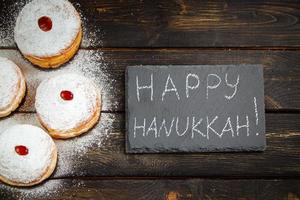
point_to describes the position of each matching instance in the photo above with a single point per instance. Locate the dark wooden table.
(122, 33)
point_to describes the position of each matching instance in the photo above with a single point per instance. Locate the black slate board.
(195, 108)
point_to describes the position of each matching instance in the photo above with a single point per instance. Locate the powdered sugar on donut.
(25, 169)
(62, 115)
(33, 41)
(9, 79)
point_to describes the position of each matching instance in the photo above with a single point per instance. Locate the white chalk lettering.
(256, 112)
(191, 126)
(138, 88)
(225, 129)
(152, 127)
(191, 87)
(194, 127)
(208, 126)
(235, 86)
(208, 86)
(238, 126)
(163, 125)
(255, 109)
(138, 127)
(173, 89)
(186, 128)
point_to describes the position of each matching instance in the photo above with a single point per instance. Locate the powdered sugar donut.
(28, 155)
(48, 32)
(67, 105)
(12, 86)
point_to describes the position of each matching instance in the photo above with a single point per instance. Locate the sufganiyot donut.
(28, 155)
(48, 32)
(12, 86)
(68, 105)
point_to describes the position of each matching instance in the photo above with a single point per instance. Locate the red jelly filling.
(45, 23)
(66, 95)
(21, 150)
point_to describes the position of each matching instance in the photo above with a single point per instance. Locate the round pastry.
(67, 105)
(12, 86)
(28, 155)
(48, 32)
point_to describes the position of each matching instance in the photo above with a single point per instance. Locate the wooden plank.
(89, 63)
(158, 189)
(107, 66)
(101, 152)
(177, 23)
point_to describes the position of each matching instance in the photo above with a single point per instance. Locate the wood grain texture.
(107, 66)
(101, 152)
(177, 23)
(156, 189)
(252, 31)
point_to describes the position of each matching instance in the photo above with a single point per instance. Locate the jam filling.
(66, 95)
(21, 150)
(45, 23)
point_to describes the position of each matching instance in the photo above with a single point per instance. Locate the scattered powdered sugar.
(48, 189)
(93, 65)
(9, 79)
(8, 15)
(92, 32)
(72, 152)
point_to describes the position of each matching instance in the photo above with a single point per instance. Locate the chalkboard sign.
(201, 108)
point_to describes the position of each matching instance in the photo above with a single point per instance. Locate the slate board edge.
(264, 106)
(187, 66)
(127, 149)
(201, 150)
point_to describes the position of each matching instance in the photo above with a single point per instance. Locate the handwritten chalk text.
(170, 90)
